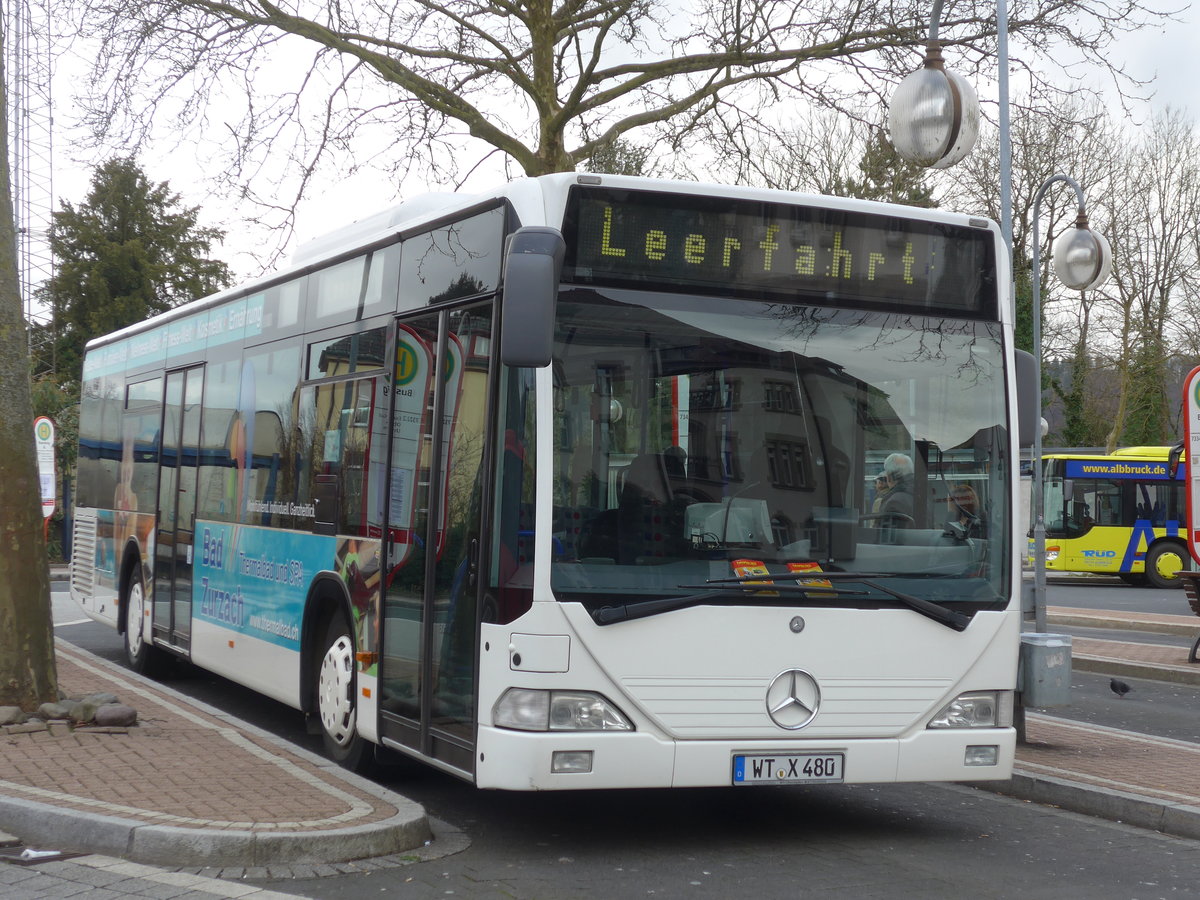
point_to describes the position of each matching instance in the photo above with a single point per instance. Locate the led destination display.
(691, 243)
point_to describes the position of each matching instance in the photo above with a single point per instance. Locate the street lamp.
(934, 119)
(934, 116)
(1082, 261)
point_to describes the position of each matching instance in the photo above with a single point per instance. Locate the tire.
(140, 654)
(335, 688)
(1163, 563)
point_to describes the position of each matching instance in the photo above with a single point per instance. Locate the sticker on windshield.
(744, 568)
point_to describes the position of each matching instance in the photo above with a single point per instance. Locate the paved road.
(1111, 593)
(1154, 707)
(854, 841)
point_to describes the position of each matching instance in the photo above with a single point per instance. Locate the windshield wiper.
(607, 615)
(948, 617)
(763, 585)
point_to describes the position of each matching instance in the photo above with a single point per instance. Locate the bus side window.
(338, 423)
(1080, 508)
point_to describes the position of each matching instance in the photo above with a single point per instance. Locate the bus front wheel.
(141, 656)
(1164, 562)
(336, 698)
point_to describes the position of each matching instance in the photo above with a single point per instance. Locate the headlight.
(526, 709)
(976, 709)
(1051, 554)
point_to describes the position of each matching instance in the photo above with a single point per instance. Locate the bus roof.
(1127, 453)
(535, 201)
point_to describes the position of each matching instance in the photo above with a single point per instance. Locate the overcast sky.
(1170, 56)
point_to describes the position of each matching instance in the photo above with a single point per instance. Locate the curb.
(1179, 629)
(1108, 666)
(175, 846)
(1175, 819)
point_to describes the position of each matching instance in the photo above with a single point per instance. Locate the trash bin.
(1044, 670)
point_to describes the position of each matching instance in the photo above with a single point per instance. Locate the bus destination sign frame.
(837, 257)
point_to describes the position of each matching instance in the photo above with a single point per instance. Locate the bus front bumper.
(527, 761)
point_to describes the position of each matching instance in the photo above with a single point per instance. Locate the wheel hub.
(133, 620)
(335, 686)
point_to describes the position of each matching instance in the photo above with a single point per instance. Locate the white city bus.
(572, 485)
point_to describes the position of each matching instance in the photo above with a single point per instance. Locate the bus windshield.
(700, 442)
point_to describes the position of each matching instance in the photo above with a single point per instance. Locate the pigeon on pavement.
(1120, 688)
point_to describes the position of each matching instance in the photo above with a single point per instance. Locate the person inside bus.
(881, 491)
(962, 504)
(897, 504)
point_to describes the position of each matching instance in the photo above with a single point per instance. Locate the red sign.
(1191, 447)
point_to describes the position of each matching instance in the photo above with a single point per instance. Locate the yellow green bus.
(1119, 514)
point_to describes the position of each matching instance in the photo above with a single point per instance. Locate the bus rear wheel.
(336, 698)
(1164, 562)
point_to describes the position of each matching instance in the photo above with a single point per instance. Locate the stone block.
(115, 714)
(54, 711)
(83, 711)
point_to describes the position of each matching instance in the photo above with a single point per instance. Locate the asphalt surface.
(195, 792)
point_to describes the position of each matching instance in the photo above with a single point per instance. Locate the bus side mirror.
(533, 263)
(1028, 394)
(1173, 460)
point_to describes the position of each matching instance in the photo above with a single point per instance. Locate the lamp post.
(1082, 260)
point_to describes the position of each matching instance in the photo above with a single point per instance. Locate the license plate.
(787, 768)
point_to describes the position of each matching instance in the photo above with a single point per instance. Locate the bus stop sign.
(1191, 446)
(43, 436)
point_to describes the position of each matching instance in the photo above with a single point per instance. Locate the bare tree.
(1154, 203)
(815, 154)
(1142, 188)
(27, 672)
(288, 88)
(1051, 133)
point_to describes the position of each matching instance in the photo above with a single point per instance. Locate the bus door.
(174, 538)
(435, 507)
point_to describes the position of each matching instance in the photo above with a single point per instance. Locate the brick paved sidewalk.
(1160, 662)
(189, 786)
(1113, 759)
(1157, 623)
(1140, 779)
(1131, 658)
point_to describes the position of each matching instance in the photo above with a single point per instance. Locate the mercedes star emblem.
(793, 699)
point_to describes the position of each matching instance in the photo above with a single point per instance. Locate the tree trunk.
(27, 672)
